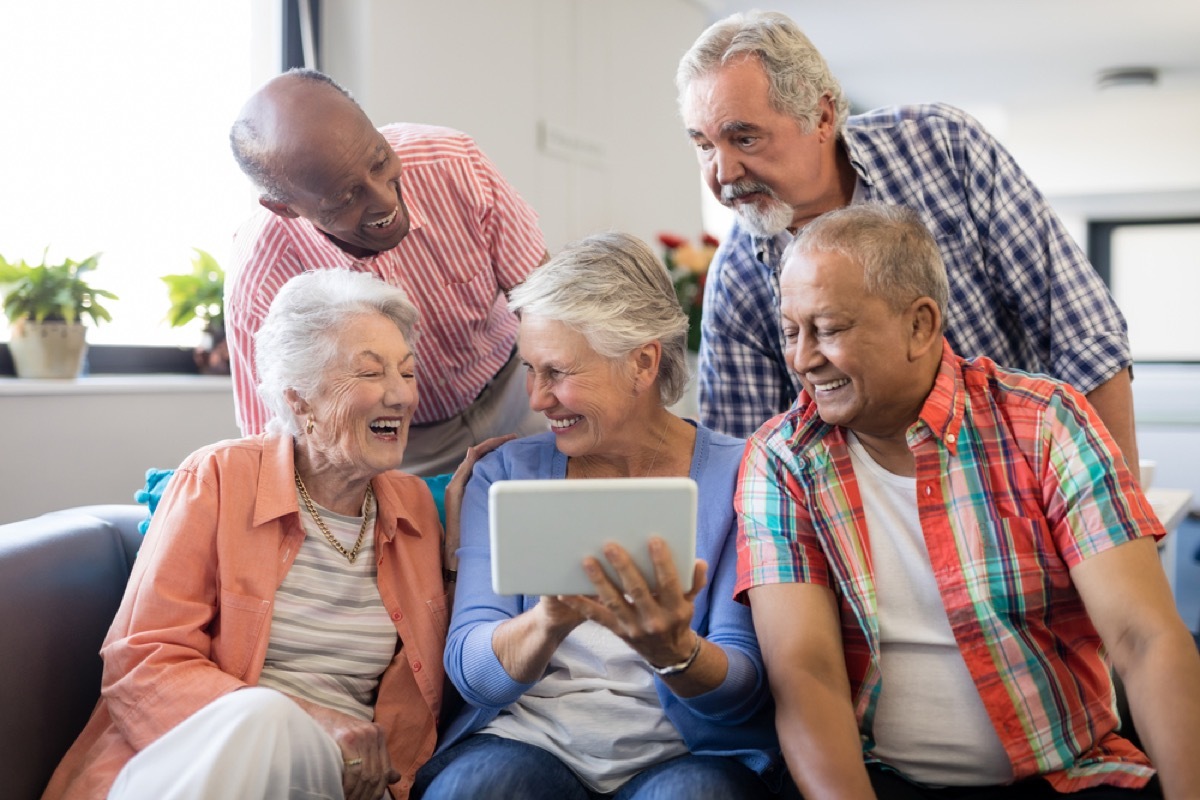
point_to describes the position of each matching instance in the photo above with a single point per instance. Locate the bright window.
(114, 122)
(1156, 280)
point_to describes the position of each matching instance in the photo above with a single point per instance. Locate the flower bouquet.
(688, 265)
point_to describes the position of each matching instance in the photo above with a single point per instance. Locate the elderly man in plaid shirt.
(775, 143)
(941, 553)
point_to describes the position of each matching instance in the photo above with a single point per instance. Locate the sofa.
(62, 576)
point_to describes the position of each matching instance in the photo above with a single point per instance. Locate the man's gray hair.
(296, 344)
(616, 292)
(899, 256)
(253, 152)
(797, 74)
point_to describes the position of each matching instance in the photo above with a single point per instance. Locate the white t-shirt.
(596, 709)
(930, 723)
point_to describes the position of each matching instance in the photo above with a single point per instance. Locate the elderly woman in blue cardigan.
(628, 693)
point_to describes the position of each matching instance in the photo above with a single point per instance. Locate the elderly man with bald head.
(420, 207)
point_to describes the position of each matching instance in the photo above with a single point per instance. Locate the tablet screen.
(541, 530)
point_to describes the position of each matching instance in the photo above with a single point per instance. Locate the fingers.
(366, 765)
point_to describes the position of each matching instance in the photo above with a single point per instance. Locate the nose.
(381, 193)
(804, 355)
(727, 166)
(540, 398)
(401, 392)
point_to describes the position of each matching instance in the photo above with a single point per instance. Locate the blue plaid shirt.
(1021, 291)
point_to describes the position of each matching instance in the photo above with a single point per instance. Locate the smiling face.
(338, 171)
(587, 397)
(866, 365)
(757, 160)
(365, 401)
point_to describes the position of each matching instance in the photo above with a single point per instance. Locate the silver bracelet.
(675, 669)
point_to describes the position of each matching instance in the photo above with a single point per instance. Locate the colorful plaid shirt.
(1021, 290)
(1017, 481)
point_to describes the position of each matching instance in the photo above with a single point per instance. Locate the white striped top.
(471, 239)
(331, 637)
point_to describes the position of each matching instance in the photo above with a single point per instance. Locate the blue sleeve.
(471, 664)
(744, 380)
(719, 618)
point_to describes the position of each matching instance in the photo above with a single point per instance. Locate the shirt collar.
(941, 414)
(945, 406)
(277, 491)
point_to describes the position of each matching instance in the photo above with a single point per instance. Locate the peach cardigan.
(195, 620)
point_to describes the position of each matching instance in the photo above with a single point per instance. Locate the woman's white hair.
(296, 343)
(797, 74)
(616, 292)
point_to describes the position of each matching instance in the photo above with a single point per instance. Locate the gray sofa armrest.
(62, 576)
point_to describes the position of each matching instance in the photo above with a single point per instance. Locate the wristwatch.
(675, 669)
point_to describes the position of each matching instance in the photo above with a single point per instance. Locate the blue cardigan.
(736, 719)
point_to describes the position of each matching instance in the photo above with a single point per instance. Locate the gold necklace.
(662, 437)
(362, 532)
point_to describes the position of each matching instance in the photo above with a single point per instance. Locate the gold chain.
(362, 532)
(662, 437)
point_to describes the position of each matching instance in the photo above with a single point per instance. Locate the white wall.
(600, 72)
(70, 443)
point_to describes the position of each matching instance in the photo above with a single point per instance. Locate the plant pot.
(47, 349)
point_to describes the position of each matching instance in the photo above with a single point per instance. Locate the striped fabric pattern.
(1017, 481)
(331, 637)
(471, 239)
(1021, 290)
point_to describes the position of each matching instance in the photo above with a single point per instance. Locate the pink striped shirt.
(471, 239)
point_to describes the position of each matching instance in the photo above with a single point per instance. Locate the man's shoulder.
(920, 115)
(415, 142)
(1013, 389)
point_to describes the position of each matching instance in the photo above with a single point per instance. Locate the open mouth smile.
(386, 221)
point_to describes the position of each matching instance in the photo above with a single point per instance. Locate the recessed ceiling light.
(1127, 76)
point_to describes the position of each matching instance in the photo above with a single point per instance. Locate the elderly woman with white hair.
(630, 693)
(282, 632)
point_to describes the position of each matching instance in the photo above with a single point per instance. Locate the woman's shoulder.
(528, 457)
(719, 451)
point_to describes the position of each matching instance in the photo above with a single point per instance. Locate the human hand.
(367, 769)
(454, 496)
(657, 625)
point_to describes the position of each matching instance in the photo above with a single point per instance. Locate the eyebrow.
(738, 126)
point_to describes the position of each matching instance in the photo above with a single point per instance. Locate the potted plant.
(200, 294)
(46, 305)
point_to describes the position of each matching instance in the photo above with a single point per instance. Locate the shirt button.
(950, 438)
(928, 491)
(416, 666)
(398, 616)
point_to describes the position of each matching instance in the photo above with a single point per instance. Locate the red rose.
(670, 240)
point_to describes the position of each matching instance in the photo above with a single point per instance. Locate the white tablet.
(541, 530)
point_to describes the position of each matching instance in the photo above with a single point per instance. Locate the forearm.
(1167, 712)
(820, 740)
(524, 644)
(1113, 401)
(706, 673)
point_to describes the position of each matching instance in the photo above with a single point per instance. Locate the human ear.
(926, 322)
(646, 360)
(296, 403)
(276, 207)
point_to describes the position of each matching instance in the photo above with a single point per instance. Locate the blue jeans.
(486, 767)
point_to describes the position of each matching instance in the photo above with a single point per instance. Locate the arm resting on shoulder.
(1113, 401)
(800, 634)
(1130, 603)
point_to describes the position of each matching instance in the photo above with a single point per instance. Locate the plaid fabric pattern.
(1021, 290)
(1016, 483)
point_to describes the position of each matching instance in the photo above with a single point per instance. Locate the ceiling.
(1008, 54)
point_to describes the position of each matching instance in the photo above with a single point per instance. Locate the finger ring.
(352, 762)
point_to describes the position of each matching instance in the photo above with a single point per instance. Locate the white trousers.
(252, 743)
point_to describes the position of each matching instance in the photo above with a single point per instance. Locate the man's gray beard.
(767, 221)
